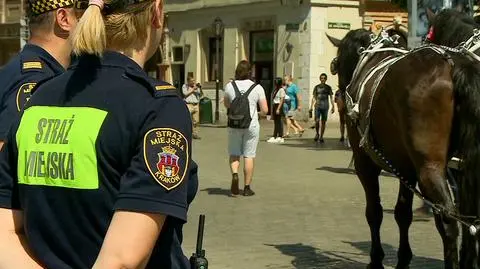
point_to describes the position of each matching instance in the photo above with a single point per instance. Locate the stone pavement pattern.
(308, 211)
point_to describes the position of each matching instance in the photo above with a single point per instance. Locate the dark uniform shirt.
(321, 93)
(32, 65)
(98, 138)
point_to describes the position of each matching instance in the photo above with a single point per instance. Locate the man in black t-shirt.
(322, 95)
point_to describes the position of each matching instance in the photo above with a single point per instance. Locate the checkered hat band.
(43, 6)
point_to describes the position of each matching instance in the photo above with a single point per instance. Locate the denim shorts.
(291, 113)
(321, 114)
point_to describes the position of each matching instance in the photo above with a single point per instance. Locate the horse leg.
(468, 258)
(403, 217)
(468, 251)
(433, 184)
(368, 172)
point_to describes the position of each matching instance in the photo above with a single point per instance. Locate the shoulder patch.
(32, 65)
(23, 94)
(165, 152)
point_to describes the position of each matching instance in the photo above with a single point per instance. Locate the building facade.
(279, 37)
(12, 34)
(381, 14)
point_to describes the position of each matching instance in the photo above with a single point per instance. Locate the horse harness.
(380, 69)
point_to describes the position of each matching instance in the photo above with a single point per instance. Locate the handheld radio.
(198, 260)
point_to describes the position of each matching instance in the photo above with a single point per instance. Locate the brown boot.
(234, 188)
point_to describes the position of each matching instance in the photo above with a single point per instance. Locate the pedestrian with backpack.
(242, 96)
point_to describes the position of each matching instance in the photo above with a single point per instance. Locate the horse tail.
(465, 135)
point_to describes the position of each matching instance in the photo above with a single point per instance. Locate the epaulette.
(156, 88)
(163, 88)
(31, 64)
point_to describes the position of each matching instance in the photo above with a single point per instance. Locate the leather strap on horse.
(473, 227)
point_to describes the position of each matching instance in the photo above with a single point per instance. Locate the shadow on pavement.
(391, 256)
(308, 143)
(212, 125)
(337, 170)
(345, 170)
(308, 257)
(416, 218)
(219, 191)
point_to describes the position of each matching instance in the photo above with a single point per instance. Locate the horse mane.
(451, 27)
(348, 56)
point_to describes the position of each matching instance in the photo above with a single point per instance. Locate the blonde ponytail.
(89, 35)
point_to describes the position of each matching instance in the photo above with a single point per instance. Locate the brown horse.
(450, 28)
(400, 120)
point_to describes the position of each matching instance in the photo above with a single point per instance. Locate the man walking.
(322, 95)
(191, 94)
(242, 96)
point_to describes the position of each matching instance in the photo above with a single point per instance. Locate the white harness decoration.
(377, 72)
(375, 47)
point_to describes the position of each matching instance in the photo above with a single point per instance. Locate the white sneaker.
(272, 140)
(280, 140)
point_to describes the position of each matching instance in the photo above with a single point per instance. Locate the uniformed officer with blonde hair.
(46, 55)
(98, 170)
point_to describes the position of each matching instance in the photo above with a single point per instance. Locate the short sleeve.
(260, 92)
(8, 173)
(281, 93)
(185, 89)
(229, 92)
(296, 89)
(159, 174)
(330, 91)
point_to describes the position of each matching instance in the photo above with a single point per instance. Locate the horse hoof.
(373, 266)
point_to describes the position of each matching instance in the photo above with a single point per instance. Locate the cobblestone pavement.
(308, 211)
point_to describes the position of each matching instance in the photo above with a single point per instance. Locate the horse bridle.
(334, 66)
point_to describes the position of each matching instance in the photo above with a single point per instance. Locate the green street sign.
(339, 25)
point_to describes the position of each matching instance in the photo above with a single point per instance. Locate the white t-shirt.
(280, 94)
(257, 94)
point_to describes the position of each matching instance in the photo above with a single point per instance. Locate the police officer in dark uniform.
(46, 55)
(100, 164)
